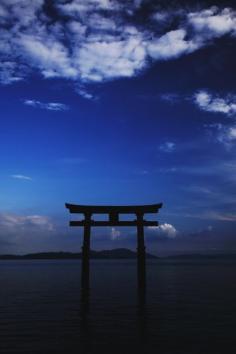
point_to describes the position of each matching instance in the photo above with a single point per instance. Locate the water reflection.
(88, 325)
(85, 291)
(44, 308)
(85, 288)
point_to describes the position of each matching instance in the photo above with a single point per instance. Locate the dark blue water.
(190, 308)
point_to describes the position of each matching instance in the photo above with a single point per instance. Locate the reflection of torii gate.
(113, 213)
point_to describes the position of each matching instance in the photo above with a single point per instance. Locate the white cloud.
(49, 56)
(78, 8)
(16, 223)
(104, 60)
(85, 94)
(168, 146)
(223, 133)
(50, 106)
(94, 40)
(9, 73)
(232, 133)
(165, 229)
(213, 23)
(171, 45)
(115, 234)
(226, 135)
(18, 176)
(213, 103)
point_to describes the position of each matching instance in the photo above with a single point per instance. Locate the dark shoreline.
(121, 253)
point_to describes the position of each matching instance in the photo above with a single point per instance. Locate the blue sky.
(118, 102)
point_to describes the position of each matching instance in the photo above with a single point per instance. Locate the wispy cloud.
(50, 106)
(199, 190)
(23, 177)
(220, 216)
(215, 104)
(99, 47)
(13, 222)
(225, 170)
(85, 94)
(206, 101)
(209, 196)
(168, 170)
(209, 215)
(168, 146)
(225, 134)
(171, 97)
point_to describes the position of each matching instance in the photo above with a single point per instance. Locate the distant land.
(119, 253)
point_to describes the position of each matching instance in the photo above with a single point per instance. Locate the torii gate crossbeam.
(113, 213)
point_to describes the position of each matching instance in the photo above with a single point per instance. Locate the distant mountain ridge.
(118, 253)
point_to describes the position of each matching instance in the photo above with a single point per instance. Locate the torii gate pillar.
(113, 213)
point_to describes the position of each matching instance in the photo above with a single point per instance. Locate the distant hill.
(119, 253)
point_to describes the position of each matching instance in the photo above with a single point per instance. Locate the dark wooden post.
(114, 212)
(86, 253)
(141, 257)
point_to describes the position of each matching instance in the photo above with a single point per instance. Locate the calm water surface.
(190, 308)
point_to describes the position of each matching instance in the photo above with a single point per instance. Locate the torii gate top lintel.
(113, 212)
(122, 209)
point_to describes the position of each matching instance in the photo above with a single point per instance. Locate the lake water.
(190, 308)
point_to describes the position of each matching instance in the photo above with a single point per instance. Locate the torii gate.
(114, 213)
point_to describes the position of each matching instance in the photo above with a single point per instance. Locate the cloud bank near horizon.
(99, 40)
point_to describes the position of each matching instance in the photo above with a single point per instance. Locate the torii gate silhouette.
(113, 212)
